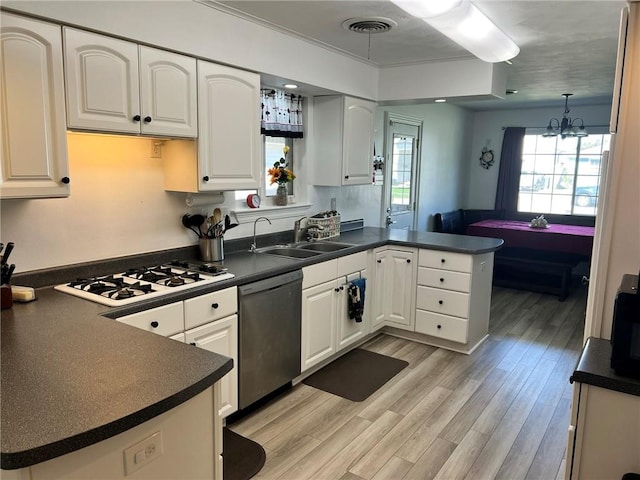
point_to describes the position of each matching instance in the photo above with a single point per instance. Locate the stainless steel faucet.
(253, 245)
(299, 231)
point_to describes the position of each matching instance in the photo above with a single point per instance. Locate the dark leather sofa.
(522, 268)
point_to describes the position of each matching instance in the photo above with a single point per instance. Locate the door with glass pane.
(401, 168)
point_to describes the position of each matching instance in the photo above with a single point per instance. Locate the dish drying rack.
(330, 223)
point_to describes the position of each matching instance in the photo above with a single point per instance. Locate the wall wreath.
(486, 158)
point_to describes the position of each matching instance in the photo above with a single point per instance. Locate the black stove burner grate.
(111, 287)
(128, 290)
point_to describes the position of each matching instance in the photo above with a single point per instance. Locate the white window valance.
(281, 114)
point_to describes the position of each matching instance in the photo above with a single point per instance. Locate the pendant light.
(567, 126)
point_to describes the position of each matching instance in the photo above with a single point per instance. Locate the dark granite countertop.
(594, 368)
(250, 267)
(71, 376)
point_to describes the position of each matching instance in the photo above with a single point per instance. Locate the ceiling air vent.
(369, 25)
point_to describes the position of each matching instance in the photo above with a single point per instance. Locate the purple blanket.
(557, 238)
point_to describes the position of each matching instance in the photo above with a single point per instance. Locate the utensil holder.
(212, 249)
(6, 297)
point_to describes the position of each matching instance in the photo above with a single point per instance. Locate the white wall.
(117, 207)
(487, 131)
(444, 156)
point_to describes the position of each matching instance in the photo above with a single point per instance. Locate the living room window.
(561, 176)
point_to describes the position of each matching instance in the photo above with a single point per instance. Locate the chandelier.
(567, 126)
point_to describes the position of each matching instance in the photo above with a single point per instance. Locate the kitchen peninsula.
(72, 378)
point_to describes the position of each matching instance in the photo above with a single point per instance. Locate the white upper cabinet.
(168, 93)
(116, 86)
(229, 153)
(33, 142)
(343, 129)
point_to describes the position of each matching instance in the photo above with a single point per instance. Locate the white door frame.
(389, 118)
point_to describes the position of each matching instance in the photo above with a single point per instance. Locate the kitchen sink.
(323, 246)
(304, 249)
(291, 252)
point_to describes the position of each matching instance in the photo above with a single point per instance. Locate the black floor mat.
(356, 375)
(242, 457)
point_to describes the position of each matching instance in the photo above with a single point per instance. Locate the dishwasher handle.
(270, 283)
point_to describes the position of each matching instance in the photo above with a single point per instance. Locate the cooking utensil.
(198, 220)
(227, 223)
(7, 252)
(217, 215)
(7, 272)
(187, 222)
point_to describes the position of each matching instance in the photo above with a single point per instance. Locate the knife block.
(6, 298)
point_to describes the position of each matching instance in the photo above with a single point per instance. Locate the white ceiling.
(565, 45)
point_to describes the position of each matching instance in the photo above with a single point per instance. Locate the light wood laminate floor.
(501, 412)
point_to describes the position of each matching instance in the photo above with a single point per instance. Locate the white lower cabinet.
(221, 337)
(209, 321)
(349, 331)
(191, 438)
(395, 278)
(166, 320)
(326, 326)
(604, 434)
(318, 323)
(453, 298)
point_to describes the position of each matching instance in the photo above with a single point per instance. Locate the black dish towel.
(355, 290)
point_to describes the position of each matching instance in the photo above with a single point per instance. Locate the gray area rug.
(356, 375)
(242, 458)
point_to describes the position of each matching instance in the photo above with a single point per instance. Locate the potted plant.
(281, 175)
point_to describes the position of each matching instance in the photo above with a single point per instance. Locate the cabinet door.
(395, 278)
(357, 164)
(33, 148)
(381, 287)
(168, 98)
(102, 82)
(318, 323)
(402, 283)
(221, 337)
(229, 154)
(347, 329)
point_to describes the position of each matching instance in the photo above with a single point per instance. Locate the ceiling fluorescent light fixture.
(440, 100)
(565, 127)
(463, 23)
(290, 85)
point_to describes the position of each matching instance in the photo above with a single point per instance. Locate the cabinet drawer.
(431, 277)
(443, 301)
(352, 263)
(319, 273)
(166, 320)
(458, 262)
(212, 306)
(441, 326)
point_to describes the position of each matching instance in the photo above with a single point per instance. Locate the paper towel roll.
(200, 199)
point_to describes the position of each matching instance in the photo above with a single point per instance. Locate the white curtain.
(281, 114)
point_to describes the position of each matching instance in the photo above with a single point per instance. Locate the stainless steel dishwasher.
(269, 331)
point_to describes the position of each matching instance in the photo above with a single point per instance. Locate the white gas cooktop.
(144, 283)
